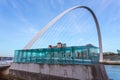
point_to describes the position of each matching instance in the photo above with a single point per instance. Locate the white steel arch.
(52, 22)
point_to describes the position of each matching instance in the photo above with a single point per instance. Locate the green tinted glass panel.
(66, 55)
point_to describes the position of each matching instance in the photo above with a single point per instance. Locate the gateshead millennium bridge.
(60, 62)
(28, 54)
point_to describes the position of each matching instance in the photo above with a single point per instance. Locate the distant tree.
(109, 53)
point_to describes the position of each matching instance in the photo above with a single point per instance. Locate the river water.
(113, 71)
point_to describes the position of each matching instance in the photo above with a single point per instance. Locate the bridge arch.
(52, 22)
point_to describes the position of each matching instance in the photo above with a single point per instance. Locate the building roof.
(91, 45)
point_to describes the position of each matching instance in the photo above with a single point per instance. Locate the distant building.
(64, 45)
(59, 45)
(6, 58)
(49, 46)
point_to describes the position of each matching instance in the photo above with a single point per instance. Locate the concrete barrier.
(30, 71)
(4, 70)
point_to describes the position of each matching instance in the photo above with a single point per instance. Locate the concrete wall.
(55, 72)
(4, 70)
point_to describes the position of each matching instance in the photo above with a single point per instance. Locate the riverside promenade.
(109, 62)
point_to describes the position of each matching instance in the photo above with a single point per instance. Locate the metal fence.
(66, 55)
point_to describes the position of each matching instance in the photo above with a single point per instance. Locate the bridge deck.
(4, 64)
(4, 67)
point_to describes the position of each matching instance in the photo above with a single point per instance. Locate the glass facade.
(118, 51)
(64, 55)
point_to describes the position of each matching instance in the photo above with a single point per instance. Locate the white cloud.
(19, 12)
(52, 4)
(101, 6)
(33, 30)
(29, 31)
(79, 40)
(28, 28)
(4, 2)
(55, 3)
(61, 2)
(80, 25)
(105, 4)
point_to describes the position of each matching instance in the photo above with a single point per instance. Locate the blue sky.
(20, 20)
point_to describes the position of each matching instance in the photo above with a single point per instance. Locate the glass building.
(63, 55)
(118, 51)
